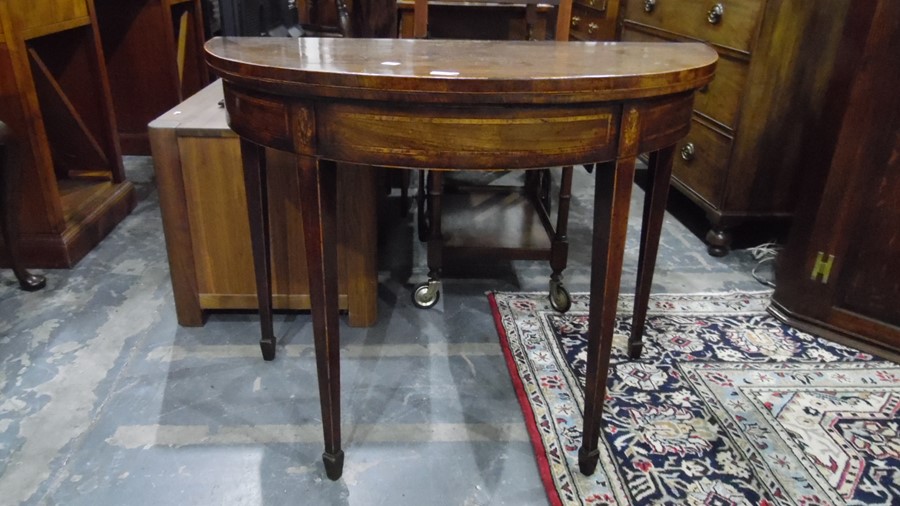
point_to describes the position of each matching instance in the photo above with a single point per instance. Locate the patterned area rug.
(726, 406)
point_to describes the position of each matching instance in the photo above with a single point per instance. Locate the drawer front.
(721, 99)
(466, 137)
(734, 26)
(591, 22)
(701, 162)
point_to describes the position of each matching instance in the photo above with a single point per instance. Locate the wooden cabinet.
(742, 160)
(508, 20)
(54, 95)
(594, 19)
(368, 18)
(154, 59)
(459, 19)
(201, 189)
(840, 270)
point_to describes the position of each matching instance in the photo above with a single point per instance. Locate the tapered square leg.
(253, 157)
(611, 202)
(318, 208)
(612, 195)
(659, 176)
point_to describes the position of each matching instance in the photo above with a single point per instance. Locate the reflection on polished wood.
(405, 103)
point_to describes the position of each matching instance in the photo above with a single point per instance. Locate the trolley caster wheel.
(560, 299)
(427, 294)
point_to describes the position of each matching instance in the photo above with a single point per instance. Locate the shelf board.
(40, 31)
(494, 224)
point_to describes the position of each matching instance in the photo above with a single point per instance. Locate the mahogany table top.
(465, 71)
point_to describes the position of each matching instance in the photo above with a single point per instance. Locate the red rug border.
(537, 443)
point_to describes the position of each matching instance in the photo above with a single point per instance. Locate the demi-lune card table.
(459, 105)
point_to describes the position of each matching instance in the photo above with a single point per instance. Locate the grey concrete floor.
(106, 400)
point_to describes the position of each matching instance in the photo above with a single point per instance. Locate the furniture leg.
(11, 208)
(427, 294)
(255, 182)
(611, 202)
(436, 235)
(404, 193)
(718, 240)
(318, 207)
(360, 266)
(560, 298)
(659, 174)
(421, 207)
(179, 242)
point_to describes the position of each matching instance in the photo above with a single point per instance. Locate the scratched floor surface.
(106, 400)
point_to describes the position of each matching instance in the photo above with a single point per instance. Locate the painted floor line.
(234, 351)
(155, 435)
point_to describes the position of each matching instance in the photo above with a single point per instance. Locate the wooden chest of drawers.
(594, 19)
(742, 157)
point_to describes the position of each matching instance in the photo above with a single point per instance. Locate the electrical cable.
(764, 253)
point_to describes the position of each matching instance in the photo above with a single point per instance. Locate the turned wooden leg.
(11, 207)
(318, 207)
(255, 182)
(560, 298)
(659, 172)
(611, 202)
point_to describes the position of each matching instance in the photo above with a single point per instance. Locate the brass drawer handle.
(687, 152)
(575, 21)
(592, 27)
(649, 5)
(715, 14)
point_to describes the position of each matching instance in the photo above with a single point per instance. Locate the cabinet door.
(841, 268)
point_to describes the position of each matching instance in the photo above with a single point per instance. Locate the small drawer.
(721, 99)
(588, 23)
(701, 162)
(728, 23)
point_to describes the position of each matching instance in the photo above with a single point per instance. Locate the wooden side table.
(463, 105)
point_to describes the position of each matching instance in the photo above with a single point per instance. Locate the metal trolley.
(531, 200)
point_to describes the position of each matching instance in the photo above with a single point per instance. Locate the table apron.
(440, 136)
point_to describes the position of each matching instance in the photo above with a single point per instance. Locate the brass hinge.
(822, 267)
